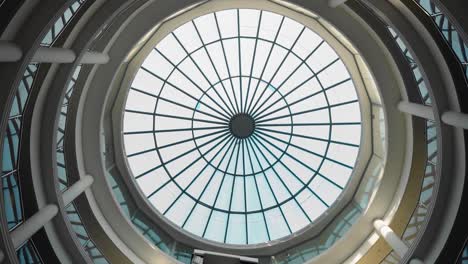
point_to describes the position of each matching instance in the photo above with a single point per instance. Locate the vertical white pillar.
(455, 119)
(76, 189)
(335, 3)
(33, 224)
(416, 110)
(391, 238)
(9, 52)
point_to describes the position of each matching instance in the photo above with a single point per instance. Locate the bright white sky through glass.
(242, 126)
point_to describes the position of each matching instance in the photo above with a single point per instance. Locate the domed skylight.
(242, 126)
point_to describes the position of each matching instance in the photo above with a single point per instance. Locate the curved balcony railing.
(11, 176)
(463, 258)
(460, 50)
(141, 222)
(448, 31)
(64, 182)
(421, 212)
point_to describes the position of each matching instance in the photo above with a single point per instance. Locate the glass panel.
(61, 22)
(27, 254)
(82, 234)
(12, 200)
(448, 31)
(235, 113)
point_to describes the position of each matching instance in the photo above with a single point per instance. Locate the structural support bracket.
(416, 110)
(398, 246)
(76, 189)
(21, 234)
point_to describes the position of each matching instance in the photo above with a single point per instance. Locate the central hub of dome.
(242, 125)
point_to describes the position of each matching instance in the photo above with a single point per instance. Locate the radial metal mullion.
(226, 113)
(308, 151)
(232, 140)
(279, 177)
(289, 50)
(297, 101)
(314, 75)
(305, 185)
(176, 143)
(308, 111)
(172, 179)
(219, 190)
(226, 135)
(184, 92)
(266, 63)
(308, 137)
(240, 60)
(175, 117)
(311, 124)
(245, 193)
(253, 57)
(198, 175)
(269, 185)
(179, 104)
(258, 192)
(226, 61)
(232, 190)
(303, 62)
(171, 130)
(305, 165)
(232, 111)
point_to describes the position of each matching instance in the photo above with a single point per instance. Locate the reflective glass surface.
(27, 254)
(83, 237)
(463, 259)
(448, 31)
(242, 126)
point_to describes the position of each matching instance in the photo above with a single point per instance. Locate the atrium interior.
(234, 131)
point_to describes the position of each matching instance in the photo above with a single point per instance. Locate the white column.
(76, 189)
(391, 238)
(33, 224)
(416, 110)
(9, 52)
(92, 57)
(416, 261)
(335, 3)
(54, 55)
(455, 119)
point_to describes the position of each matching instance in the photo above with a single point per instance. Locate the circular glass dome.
(245, 117)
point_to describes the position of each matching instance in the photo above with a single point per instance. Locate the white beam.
(335, 3)
(33, 224)
(54, 55)
(92, 57)
(416, 261)
(455, 119)
(416, 110)
(9, 52)
(76, 189)
(390, 237)
(200, 252)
